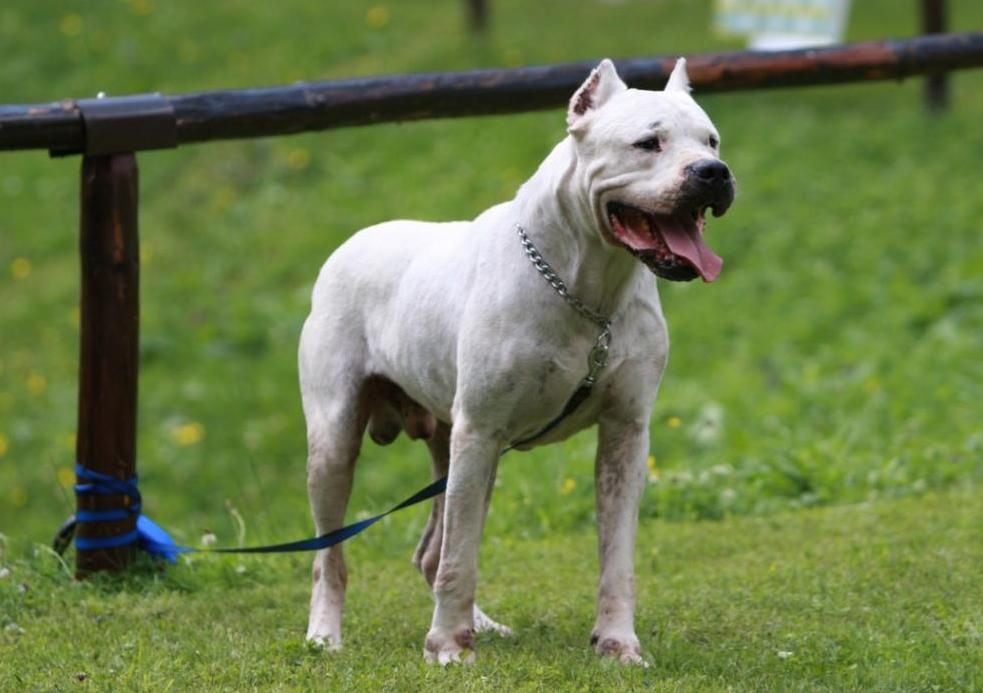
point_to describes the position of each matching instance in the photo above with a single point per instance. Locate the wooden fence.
(109, 131)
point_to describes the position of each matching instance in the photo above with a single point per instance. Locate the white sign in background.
(782, 24)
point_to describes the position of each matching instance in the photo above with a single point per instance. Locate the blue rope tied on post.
(98, 484)
(151, 537)
(157, 542)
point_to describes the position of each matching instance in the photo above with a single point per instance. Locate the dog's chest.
(632, 374)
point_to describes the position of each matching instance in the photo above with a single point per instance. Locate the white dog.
(449, 332)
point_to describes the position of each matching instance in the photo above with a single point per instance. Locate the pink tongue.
(683, 237)
(686, 241)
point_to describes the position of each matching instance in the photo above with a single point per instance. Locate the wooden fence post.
(936, 85)
(477, 15)
(107, 405)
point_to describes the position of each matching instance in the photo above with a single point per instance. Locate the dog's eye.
(652, 144)
(713, 142)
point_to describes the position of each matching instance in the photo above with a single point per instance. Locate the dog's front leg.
(619, 482)
(474, 456)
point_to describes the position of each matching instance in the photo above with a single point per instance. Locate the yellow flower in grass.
(141, 8)
(298, 159)
(568, 486)
(66, 477)
(674, 422)
(70, 25)
(36, 384)
(223, 198)
(653, 469)
(20, 268)
(377, 17)
(146, 253)
(188, 434)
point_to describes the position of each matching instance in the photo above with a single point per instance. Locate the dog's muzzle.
(671, 244)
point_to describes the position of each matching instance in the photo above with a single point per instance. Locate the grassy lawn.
(876, 596)
(835, 365)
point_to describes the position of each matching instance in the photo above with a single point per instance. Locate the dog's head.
(653, 169)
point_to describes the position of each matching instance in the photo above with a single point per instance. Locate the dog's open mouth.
(671, 245)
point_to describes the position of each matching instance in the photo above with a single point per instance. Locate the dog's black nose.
(708, 183)
(710, 171)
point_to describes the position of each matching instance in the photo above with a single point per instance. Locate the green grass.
(836, 360)
(881, 596)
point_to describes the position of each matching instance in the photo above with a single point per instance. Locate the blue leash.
(153, 539)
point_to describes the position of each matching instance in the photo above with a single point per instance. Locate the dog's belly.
(393, 409)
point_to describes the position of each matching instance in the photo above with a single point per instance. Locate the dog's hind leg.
(427, 555)
(333, 444)
(336, 410)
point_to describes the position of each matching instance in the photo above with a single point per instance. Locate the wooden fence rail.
(108, 131)
(234, 114)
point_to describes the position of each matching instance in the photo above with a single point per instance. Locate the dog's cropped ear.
(679, 79)
(597, 89)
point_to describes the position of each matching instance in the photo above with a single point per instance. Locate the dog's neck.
(555, 210)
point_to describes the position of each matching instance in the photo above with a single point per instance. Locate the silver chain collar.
(598, 357)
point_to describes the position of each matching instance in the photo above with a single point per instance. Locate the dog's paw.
(624, 648)
(326, 642)
(483, 623)
(449, 647)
